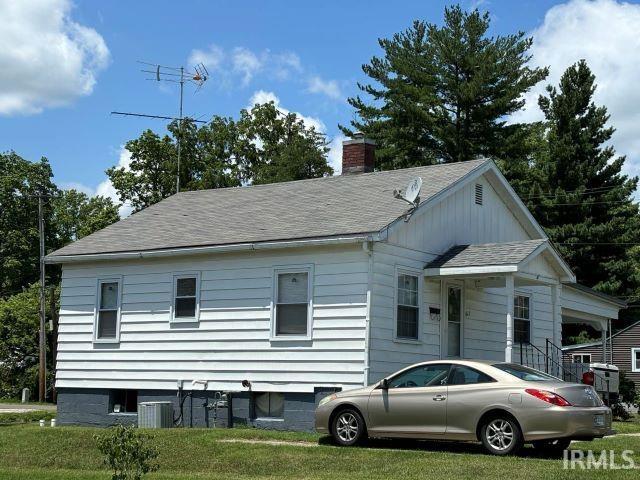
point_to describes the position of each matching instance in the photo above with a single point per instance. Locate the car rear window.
(525, 373)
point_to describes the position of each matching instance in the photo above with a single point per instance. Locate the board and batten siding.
(232, 342)
(457, 220)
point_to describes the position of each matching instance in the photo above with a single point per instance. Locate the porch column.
(556, 305)
(509, 286)
(603, 334)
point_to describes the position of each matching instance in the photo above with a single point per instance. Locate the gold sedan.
(503, 405)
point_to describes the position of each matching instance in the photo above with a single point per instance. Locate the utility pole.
(180, 128)
(42, 371)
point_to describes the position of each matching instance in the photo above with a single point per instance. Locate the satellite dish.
(413, 189)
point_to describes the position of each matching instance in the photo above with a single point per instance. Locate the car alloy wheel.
(348, 427)
(501, 436)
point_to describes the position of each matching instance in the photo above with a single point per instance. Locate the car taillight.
(588, 378)
(549, 397)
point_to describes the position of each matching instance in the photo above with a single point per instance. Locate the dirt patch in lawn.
(268, 442)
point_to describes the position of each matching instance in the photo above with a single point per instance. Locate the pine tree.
(441, 94)
(584, 201)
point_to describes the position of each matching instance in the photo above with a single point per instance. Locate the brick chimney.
(358, 154)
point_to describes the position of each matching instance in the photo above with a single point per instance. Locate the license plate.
(598, 420)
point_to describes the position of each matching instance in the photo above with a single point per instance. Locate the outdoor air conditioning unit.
(155, 415)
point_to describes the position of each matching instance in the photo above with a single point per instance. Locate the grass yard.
(29, 452)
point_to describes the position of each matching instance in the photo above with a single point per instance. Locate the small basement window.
(124, 401)
(268, 405)
(479, 193)
(186, 297)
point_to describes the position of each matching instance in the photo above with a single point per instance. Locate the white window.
(268, 405)
(581, 358)
(522, 319)
(635, 359)
(292, 305)
(186, 297)
(407, 306)
(107, 319)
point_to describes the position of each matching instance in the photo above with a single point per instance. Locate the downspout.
(368, 248)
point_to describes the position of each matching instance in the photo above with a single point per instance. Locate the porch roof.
(492, 258)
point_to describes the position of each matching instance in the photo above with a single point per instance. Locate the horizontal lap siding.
(231, 342)
(386, 354)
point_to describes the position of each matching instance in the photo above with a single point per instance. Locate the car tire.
(556, 446)
(348, 428)
(501, 435)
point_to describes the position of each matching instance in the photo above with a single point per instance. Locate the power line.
(585, 191)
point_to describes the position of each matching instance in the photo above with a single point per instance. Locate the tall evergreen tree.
(441, 94)
(583, 199)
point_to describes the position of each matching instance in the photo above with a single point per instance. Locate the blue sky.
(305, 55)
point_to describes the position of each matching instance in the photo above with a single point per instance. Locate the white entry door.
(453, 318)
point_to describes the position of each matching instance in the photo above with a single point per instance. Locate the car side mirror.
(384, 384)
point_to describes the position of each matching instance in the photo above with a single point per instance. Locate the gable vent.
(478, 194)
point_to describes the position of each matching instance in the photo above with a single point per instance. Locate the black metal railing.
(551, 361)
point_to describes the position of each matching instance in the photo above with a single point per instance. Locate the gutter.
(238, 247)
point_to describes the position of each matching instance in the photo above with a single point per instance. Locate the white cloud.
(246, 63)
(240, 65)
(335, 153)
(329, 88)
(262, 96)
(605, 34)
(46, 59)
(212, 57)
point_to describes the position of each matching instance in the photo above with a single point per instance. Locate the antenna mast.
(198, 76)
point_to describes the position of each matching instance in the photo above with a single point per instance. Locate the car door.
(414, 404)
(469, 391)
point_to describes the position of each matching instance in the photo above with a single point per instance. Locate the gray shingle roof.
(508, 253)
(322, 207)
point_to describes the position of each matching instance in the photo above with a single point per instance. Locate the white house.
(305, 287)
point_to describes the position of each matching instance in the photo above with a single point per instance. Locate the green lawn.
(29, 452)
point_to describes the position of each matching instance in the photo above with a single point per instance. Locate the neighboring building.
(302, 288)
(623, 351)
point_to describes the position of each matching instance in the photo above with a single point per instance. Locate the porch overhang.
(530, 262)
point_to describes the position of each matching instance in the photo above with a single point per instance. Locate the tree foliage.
(578, 191)
(441, 93)
(127, 452)
(263, 146)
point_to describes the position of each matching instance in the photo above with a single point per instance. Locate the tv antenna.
(411, 195)
(197, 76)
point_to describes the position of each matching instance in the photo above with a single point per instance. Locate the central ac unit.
(155, 415)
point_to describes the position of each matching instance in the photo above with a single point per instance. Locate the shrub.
(628, 391)
(620, 412)
(127, 452)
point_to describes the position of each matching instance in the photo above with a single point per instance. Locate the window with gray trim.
(185, 301)
(407, 308)
(635, 359)
(522, 319)
(108, 309)
(292, 303)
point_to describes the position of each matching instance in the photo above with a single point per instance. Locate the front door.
(453, 333)
(414, 404)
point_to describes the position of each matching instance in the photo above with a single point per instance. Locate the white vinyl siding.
(107, 311)
(232, 341)
(185, 305)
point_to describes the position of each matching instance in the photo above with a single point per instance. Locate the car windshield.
(525, 373)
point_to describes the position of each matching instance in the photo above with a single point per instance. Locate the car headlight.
(327, 399)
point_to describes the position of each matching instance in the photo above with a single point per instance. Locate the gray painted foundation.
(93, 407)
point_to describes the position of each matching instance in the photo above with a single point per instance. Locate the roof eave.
(236, 247)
